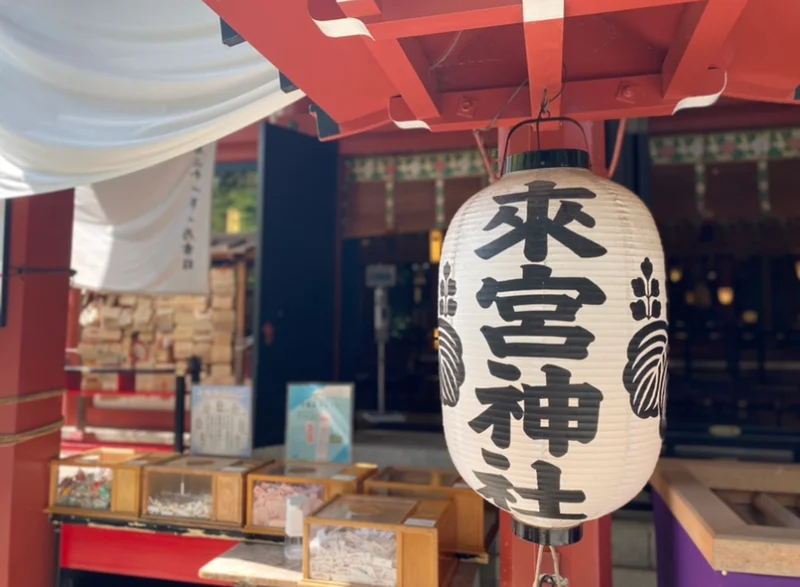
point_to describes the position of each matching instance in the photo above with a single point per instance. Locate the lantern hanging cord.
(612, 168)
(544, 112)
(538, 567)
(447, 53)
(554, 580)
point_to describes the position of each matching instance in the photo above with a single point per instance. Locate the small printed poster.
(222, 422)
(319, 422)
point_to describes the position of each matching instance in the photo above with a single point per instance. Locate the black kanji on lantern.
(538, 227)
(496, 460)
(561, 411)
(536, 300)
(496, 489)
(503, 402)
(549, 494)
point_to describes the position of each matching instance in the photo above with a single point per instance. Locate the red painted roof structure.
(454, 65)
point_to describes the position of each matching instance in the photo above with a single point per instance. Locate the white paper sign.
(222, 422)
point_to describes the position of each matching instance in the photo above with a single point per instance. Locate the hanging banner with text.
(147, 232)
(319, 422)
(222, 421)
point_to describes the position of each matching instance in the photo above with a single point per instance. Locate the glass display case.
(269, 487)
(196, 489)
(99, 483)
(471, 511)
(374, 541)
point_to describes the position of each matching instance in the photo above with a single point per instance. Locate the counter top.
(263, 565)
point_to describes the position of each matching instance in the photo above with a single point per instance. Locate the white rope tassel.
(556, 569)
(538, 568)
(555, 578)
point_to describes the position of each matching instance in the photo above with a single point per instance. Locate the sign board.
(381, 275)
(222, 421)
(319, 422)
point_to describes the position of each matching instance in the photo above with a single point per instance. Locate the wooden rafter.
(701, 34)
(413, 18)
(404, 63)
(582, 100)
(543, 23)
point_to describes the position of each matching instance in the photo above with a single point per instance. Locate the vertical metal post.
(180, 410)
(381, 335)
(381, 377)
(193, 369)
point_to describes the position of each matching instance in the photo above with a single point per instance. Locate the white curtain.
(149, 231)
(96, 89)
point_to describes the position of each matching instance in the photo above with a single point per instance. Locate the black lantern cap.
(547, 158)
(547, 536)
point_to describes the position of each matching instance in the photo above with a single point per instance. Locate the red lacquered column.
(587, 563)
(31, 378)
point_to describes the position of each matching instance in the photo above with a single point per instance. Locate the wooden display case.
(726, 523)
(197, 491)
(421, 483)
(100, 483)
(374, 541)
(270, 486)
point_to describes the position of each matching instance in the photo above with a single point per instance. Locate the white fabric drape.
(95, 89)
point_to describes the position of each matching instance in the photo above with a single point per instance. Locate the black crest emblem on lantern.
(645, 374)
(451, 351)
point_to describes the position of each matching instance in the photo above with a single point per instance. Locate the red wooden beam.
(403, 62)
(544, 51)
(698, 42)
(606, 99)
(360, 8)
(339, 74)
(414, 18)
(139, 554)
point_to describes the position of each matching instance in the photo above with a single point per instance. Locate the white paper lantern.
(553, 347)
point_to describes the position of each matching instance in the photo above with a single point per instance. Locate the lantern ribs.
(404, 62)
(699, 40)
(416, 18)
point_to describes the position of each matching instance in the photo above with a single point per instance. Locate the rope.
(30, 397)
(556, 570)
(20, 437)
(538, 568)
(555, 579)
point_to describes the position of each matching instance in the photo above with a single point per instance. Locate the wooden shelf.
(742, 517)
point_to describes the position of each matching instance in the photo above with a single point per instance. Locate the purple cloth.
(681, 564)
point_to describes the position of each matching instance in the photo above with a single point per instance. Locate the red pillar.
(31, 375)
(587, 563)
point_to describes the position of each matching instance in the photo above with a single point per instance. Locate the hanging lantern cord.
(538, 567)
(553, 580)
